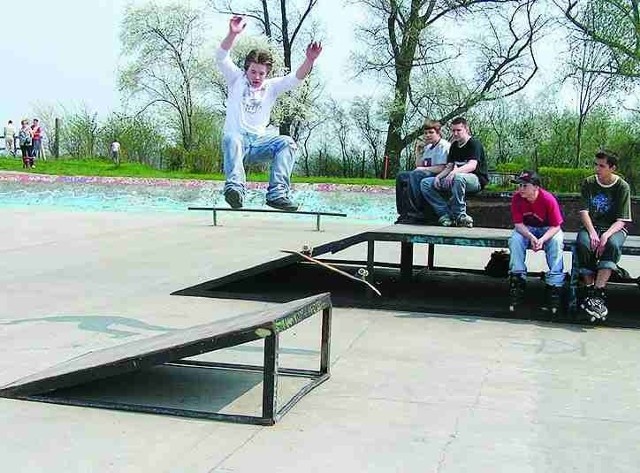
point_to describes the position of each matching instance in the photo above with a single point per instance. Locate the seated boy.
(431, 157)
(606, 210)
(537, 219)
(465, 173)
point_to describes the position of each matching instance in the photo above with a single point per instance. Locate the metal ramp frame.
(172, 348)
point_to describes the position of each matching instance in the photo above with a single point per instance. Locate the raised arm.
(237, 25)
(313, 51)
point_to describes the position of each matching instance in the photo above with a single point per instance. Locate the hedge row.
(557, 180)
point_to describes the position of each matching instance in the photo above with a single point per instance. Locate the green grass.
(103, 167)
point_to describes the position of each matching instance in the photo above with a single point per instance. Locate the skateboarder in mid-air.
(537, 219)
(251, 96)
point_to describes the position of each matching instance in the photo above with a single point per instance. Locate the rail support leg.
(406, 261)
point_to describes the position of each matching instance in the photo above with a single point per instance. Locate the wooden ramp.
(172, 348)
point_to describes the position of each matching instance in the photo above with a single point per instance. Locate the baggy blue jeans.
(248, 148)
(518, 245)
(461, 184)
(588, 263)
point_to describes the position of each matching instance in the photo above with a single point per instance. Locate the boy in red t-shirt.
(537, 219)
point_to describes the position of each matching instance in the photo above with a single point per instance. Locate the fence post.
(56, 134)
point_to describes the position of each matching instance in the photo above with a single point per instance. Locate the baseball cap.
(527, 177)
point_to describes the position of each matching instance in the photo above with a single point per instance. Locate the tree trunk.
(285, 126)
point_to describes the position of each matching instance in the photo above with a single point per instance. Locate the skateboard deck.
(362, 271)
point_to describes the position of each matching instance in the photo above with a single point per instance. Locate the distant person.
(9, 138)
(25, 138)
(465, 173)
(537, 220)
(251, 96)
(37, 139)
(604, 214)
(115, 152)
(44, 142)
(431, 157)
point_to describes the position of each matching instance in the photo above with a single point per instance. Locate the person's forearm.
(549, 234)
(522, 229)
(304, 69)
(447, 169)
(469, 167)
(227, 42)
(586, 221)
(615, 227)
(432, 169)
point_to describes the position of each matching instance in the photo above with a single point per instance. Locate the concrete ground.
(409, 392)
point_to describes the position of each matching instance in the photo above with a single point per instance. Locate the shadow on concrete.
(202, 390)
(464, 295)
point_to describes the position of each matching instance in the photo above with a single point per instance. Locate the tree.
(592, 86)
(80, 133)
(369, 129)
(614, 26)
(341, 130)
(285, 29)
(405, 45)
(163, 45)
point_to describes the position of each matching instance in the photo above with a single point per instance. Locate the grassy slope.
(94, 167)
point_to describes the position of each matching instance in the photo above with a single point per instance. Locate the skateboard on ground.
(363, 273)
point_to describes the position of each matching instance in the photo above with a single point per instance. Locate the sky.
(70, 55)
(74, 62)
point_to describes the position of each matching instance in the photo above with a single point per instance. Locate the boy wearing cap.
(537, 219)
(606, 210)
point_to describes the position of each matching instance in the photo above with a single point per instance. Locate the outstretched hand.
(313, 50)
(237, 24)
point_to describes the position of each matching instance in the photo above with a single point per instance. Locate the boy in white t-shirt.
(251, 97)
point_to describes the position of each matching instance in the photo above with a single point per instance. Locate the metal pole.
(270, 377)
(406, 261)
(215, 218)
(56, 134)
(431, 247)
(325, 344)
(318, 222)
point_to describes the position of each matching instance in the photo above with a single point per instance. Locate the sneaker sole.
(284, 209)
(234, 200)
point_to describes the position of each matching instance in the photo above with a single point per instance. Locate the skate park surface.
(409, 390)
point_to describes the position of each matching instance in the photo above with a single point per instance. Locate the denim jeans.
(587, 261)
(462, 184)
(239, 149)
(411, 179)
(553, 248)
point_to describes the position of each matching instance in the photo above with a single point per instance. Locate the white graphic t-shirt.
(248, 108)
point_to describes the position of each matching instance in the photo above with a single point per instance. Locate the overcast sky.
(68, 53)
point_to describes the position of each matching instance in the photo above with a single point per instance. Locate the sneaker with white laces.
(464, 220)
(445, 221)
(595, 307)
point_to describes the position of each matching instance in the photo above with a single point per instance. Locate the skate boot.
(517, 285)
(594, 304)
(553, 299)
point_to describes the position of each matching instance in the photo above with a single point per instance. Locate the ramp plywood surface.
(167, 347)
